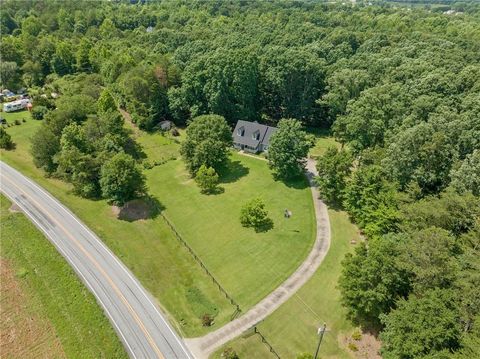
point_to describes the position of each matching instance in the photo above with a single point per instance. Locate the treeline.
(408, 174)
(256, 61)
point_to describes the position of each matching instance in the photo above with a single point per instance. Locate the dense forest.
(399, 89)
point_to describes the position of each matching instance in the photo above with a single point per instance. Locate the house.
(252, 136)
(16, 105)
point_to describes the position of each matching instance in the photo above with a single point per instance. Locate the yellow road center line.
(99, 267)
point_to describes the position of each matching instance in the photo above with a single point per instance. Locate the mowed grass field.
(45, 311)
(292, 329)
(248, 264)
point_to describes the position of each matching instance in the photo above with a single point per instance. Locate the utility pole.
(320, 333)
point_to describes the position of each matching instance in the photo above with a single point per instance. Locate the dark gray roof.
(270, 132)
(249, 129)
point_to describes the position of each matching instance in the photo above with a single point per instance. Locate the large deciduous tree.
(45, 145)
(423, 325)
(333, 167)
(121, 179)
(372, 280)
(207, 142)
(288, 149)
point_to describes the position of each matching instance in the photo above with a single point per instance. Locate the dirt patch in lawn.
(14, 208)
(23, 333)
(364, 346)
(138, 209)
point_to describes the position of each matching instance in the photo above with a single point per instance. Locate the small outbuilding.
(165, 125)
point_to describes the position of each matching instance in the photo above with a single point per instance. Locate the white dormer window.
(241, 131)
(256, 135)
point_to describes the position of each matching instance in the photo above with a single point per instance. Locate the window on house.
(256, 135)
(241, 131)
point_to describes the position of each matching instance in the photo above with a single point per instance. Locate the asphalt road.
(140, 325)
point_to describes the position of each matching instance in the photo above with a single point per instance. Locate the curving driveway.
(205, 345)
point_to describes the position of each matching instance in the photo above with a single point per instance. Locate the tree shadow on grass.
(232, 171)
(147, 207)
(215, 191)
(265, 226)
(297, 182)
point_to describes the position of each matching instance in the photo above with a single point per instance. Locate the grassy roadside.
(292, 329)
(147, 247)
(53, 295)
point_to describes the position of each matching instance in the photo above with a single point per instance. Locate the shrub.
(229, 353)
(5, 140)
(304, 356)
(207, 320)
(38, 112)
(23, 120)
(357, 334)
(174, 132)
(148, 165)
(17, 122)
(254, 214)
(207, 179)
(353, 347)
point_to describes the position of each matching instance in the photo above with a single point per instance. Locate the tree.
(333, 167)
(106, 102)
(343, 86)
(420, 326)
(5, 139)
(291, 80)
(38, 112)
(288, 149)
(45, 145)
(422, 155)
(207, 179)
(207, 143)
(467, 176)
(372, 279)
(8, 73)
(430, 256)
(224, 82)
(451, 211)
(371, 200)
(254, 214)
(121, 180)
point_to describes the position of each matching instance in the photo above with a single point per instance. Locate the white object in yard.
(16, 105)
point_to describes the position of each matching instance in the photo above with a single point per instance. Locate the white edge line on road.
(84, 280)
(94, 236)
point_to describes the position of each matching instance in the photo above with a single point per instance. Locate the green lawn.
(323, 140)
(53, 291)
(248, 264)
(292, 328)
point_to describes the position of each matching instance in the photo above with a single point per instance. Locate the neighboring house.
(252, 136)
(16, 105)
